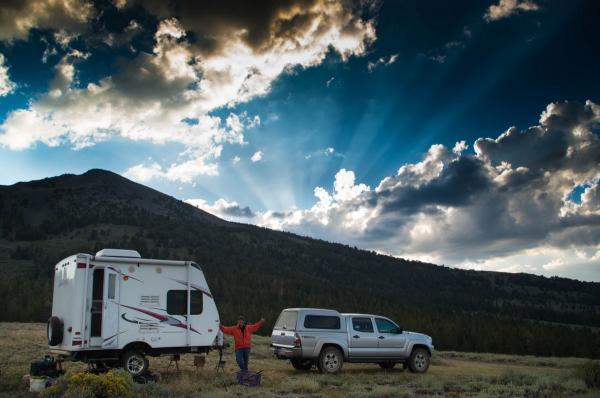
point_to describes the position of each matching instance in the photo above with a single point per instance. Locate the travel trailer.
(115, 308)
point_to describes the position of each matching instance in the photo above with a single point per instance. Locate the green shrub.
(590, 373)
(116, 383)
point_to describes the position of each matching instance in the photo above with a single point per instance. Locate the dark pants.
(242, 356)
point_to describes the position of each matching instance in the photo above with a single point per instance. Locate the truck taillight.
(297, 341)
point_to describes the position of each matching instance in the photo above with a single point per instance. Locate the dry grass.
(452, 374)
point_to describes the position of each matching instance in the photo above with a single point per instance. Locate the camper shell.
(115, 306)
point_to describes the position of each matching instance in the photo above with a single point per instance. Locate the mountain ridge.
(258, 271)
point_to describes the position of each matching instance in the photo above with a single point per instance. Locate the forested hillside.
(258, 272)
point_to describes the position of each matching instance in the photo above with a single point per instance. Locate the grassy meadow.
(452, 374)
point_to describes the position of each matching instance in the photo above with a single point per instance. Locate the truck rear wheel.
(387, 365)
(54, 330)
(135, 362)
(301, 364)
(419, 360)
(331, 360)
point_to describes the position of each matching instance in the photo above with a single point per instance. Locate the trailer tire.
(54, 331)
(135, 362)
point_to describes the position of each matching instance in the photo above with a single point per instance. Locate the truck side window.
(363, 325)
(321, 322)
(385, 326)
(177, 302)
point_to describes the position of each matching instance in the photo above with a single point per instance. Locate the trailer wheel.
(54, 331)
(135, 362)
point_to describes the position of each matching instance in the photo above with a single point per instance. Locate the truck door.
(110, 313)
(392, 342)
(363, 340)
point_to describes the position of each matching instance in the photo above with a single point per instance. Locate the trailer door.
(110, 315)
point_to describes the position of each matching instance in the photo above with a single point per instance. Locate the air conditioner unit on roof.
(118, 253)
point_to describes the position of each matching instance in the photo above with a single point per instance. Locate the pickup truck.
(327, 339)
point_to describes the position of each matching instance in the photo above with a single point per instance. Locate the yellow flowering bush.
(115, 383)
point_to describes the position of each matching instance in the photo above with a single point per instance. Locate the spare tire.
(54, 331)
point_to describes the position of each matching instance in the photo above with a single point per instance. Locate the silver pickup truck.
(326, 338)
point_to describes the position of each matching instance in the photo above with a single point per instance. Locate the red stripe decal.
(154, 314)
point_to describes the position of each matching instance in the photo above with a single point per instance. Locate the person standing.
(242, 336)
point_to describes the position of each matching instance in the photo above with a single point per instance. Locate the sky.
(461, 133)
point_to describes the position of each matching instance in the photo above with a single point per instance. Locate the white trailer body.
(114, 302)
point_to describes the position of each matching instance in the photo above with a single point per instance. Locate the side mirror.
(398, 331)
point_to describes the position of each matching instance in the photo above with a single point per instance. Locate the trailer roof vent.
(118, 253)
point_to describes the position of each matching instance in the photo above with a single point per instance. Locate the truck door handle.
(381, 337)
(356, 336)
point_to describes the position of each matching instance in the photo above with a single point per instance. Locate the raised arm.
(255, 326)
(227, 329)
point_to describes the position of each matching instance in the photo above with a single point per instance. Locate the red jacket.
(243, 339)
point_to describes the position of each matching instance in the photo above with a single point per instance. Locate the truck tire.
(135, 362)
(387, 365)
(54, 331)
(331, 360)
(419, 360)
(301, 364)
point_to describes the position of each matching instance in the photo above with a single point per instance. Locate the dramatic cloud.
(302, 27)
(205, 57)
(510, 201)
(506, 8)
(6, 85)
(18, 17)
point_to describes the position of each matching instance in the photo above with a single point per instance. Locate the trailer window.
(321, 322)
(177, 302)
(112, 285)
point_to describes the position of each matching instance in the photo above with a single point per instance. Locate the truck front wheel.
(419, 360)
(331, 360)
(301, 364)
(135, 363)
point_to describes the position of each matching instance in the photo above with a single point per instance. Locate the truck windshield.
(287, 320)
